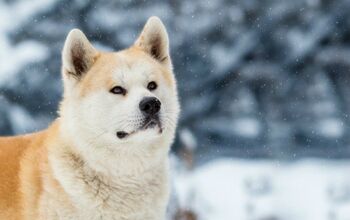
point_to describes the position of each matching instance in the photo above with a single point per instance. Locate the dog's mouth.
(147, 124)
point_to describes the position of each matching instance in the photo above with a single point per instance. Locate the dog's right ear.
(78, 54)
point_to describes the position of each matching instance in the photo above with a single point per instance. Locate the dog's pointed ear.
(154, 41)
(78, 54)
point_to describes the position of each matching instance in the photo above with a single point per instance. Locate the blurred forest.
(256, 78)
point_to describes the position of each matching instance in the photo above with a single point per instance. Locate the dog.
(106, 155)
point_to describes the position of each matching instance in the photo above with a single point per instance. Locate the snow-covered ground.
(227, 189)
(210, 40)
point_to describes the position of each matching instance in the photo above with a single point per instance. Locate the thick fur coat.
(106, 155)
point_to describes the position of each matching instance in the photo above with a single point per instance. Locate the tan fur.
(77, 168)
(106, 62)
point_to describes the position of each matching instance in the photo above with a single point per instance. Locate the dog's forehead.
(124, 68)
(131, 66)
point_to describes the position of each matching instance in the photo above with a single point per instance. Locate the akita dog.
(106, 155)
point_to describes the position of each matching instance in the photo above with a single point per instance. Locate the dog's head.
(120, 98)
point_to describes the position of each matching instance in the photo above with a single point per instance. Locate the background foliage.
(256, 78)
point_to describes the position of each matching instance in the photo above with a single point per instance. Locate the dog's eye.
(152, 86)
(118, 90)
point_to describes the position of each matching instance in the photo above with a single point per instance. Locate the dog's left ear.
(154, 41)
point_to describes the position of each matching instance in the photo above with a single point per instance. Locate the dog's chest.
(126, 198)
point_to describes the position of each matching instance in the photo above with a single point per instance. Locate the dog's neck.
(118, 161)
(89, 181)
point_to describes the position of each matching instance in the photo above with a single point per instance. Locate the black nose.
(150, 106)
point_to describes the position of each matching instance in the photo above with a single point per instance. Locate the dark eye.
(118, 90)
(152, 86)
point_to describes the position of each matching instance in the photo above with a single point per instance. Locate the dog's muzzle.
(149, 122)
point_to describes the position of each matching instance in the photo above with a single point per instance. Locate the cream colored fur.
(82, 170)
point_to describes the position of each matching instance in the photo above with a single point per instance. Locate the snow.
(20, 11)
(188, 139)
(331, 127)
(247, 127)
(240, 189)
(275, 72)
(14, 57)
(20, 118)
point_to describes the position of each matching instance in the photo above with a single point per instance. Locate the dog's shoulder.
(11, 150)
(19, 157)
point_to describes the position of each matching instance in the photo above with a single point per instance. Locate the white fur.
(105, 177)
